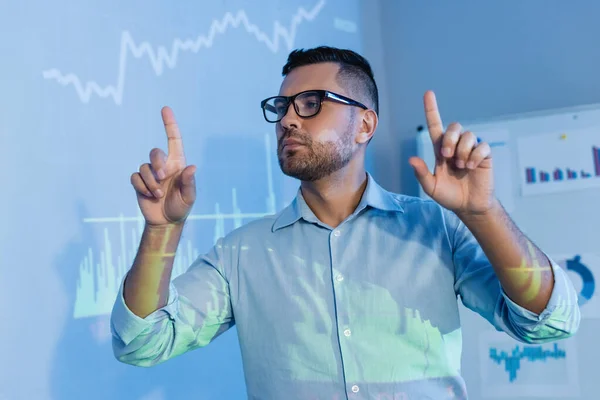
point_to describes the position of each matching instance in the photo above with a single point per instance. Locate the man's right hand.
(166, 187)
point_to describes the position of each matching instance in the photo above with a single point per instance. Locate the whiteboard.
(547, 176)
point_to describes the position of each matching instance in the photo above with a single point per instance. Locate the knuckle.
(463, 155)
(454, 127)
(475, 157)
(138, 184)
(144, 168)
(471, 136)
(135, 179)
(450, 141)
(462, 152)
(155, 153)
(148, 176)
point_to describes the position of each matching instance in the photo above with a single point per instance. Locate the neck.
(333, 198)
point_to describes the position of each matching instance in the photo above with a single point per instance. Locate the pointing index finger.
(434, 120)
(175, 144)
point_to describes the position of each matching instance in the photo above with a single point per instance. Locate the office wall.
(482, 59)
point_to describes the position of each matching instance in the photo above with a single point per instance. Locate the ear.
(368, 124)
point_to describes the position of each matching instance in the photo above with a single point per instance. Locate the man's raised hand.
(166, 187)
(462, 179)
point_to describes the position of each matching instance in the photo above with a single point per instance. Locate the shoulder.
(256, 228)
(425, 211)
(240, 243)
(416, 204)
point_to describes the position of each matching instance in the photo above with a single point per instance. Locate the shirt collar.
(374, 196)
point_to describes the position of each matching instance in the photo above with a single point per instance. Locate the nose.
(290, 119)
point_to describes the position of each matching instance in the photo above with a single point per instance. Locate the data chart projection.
(510, 368)
(562, 161)
(102, 269)
(283, 36)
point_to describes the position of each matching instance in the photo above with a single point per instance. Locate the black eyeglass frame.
(323, 95)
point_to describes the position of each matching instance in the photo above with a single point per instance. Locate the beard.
(314, 160)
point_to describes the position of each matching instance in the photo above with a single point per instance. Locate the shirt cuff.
(126, 326)
(527, 317)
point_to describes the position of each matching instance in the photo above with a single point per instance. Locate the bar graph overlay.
(107, 261)
(559, 161)
(510, 368)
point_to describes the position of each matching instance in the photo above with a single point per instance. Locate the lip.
(288, 141)
(292, 144)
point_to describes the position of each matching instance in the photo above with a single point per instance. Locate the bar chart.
(559, 162)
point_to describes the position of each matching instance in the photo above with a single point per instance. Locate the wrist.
(164, 228)
(161, 239)
(492, 213)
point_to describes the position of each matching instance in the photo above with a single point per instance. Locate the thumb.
(187, 184)
(423, 175)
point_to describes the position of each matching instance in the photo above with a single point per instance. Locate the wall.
(482, 59)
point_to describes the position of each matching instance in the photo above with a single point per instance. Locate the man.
(350, 291)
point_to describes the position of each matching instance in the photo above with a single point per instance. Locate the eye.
(280, 107)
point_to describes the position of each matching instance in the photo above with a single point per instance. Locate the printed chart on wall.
(582, 269)
(559, 161)
(513, 369)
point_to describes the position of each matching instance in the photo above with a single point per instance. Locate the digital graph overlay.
(162, 57)
(512, 362)
(101, 271)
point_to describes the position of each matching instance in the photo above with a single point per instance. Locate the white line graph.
(162, 57)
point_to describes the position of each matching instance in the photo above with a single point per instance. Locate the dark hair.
(355, 72)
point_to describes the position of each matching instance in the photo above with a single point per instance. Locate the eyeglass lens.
(306, 104)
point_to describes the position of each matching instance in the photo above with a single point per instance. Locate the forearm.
(523, 270)
(146, 286)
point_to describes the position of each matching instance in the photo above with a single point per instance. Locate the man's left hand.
(462, 180)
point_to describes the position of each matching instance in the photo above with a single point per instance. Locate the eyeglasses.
(306, 104)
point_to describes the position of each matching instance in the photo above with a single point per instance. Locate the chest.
(318, 277)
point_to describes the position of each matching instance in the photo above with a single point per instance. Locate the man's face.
(326, 141)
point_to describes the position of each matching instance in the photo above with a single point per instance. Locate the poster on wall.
(559, 161)
(583, 269)
(510, 368)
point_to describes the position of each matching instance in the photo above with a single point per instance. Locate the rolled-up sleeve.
(197, 311)
(560, 319)
(480, 290)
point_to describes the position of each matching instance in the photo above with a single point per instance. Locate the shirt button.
(355, 388)
(337, 233)
(347, 332)
(339, 278)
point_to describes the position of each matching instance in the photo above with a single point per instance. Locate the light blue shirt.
(366, 310)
